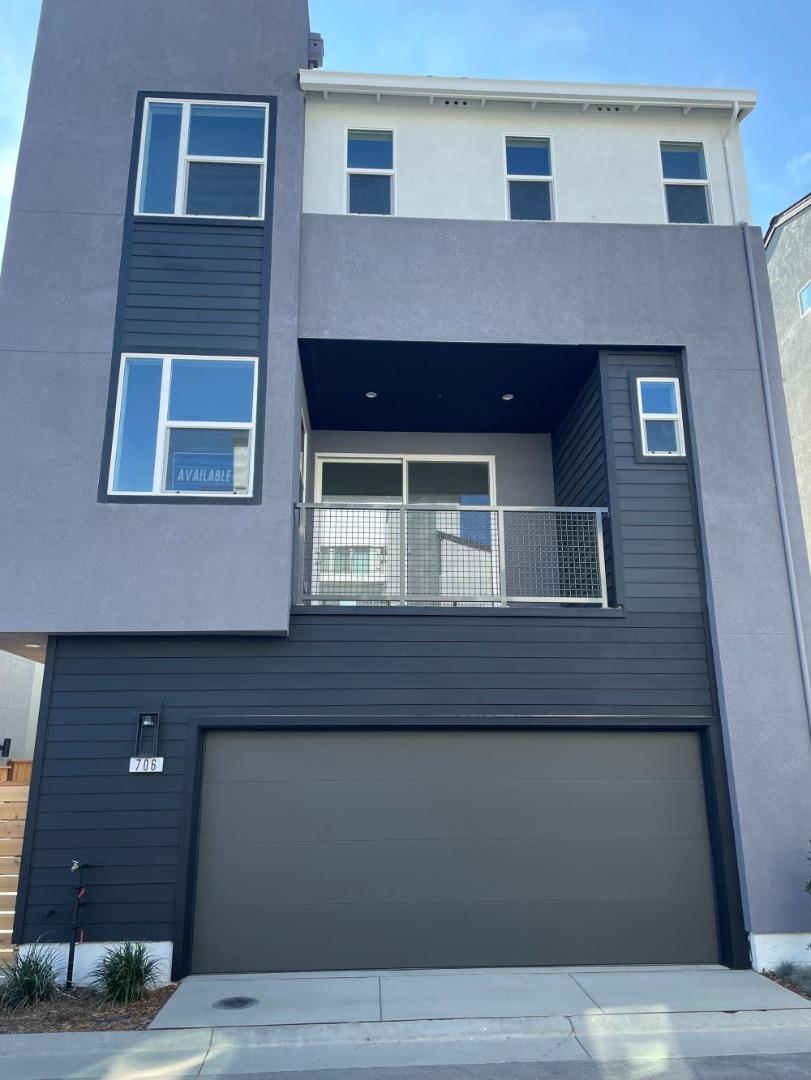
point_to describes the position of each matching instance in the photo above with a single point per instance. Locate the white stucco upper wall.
(450, 160)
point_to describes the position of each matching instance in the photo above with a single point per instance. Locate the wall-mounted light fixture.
(147, 731)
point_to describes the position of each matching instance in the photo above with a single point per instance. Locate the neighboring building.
(519, 682)
(788, 253)
(20, 689)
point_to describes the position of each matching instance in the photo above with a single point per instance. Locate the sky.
(758, 44)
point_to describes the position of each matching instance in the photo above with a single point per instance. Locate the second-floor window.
(529, 179)
(687, 190)
(660, 417)
(203, 159)
(370, 172)
(805, 299)
(184, 426)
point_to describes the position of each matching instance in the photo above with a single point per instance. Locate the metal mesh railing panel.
(553, 553)
(378, 554)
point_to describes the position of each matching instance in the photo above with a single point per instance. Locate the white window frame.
(165, 426)
(403, 460)
(705, 183)
(530, 178)
(355, 171)
(185, 159)
(675, 418)
(806, 311)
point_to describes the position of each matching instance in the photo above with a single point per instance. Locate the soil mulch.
(83, 1010)
(788, 984)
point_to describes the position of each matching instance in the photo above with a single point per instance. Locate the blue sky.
(749, 43)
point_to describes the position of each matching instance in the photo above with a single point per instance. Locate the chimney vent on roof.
(315, 51)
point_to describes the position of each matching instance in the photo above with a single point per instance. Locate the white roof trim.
(429, 86)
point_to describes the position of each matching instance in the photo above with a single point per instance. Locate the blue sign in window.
(202, 472)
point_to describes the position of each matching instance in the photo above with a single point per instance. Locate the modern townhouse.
(788, 254)
(392, 470)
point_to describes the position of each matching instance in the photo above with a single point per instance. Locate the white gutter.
(478, 90)
(794, 594)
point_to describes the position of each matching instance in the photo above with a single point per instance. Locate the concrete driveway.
(631, 1024)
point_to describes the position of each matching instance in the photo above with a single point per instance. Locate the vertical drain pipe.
(778, 475)
(733, 200)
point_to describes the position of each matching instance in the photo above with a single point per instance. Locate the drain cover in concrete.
(235, 1003)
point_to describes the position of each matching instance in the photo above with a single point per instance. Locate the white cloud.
(799, 168)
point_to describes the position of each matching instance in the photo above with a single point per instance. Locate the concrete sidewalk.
(651, 1043)
(487, 993)
(632, 1023)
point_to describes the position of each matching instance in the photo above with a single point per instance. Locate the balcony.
(441, 554)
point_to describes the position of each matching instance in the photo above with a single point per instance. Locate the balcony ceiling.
(435, 386)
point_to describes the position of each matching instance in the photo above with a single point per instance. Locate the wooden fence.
(13, 803)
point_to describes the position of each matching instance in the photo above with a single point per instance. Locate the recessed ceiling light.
(371, 394)
(31, 645)
(507, 397)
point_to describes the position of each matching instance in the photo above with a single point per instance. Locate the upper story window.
(660, 417)
(805, 299)
(529, 179)
(203, 159)
(687, 190)
(370, 172)
(184, 426)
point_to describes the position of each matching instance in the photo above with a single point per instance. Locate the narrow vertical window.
(660, 417)
(184, 426)
(529, 179)
(370, 172)
(805, 299)
(203, 159)
(687, 190)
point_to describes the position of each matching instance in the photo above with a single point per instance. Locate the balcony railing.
(389, 554)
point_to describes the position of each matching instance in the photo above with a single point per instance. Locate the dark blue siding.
(194, 287)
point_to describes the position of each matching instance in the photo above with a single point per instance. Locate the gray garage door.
(451, 849)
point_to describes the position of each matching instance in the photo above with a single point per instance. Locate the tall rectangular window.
(370, 172)
(805, 299)
(184, 426)
(687, 190)
(203, 159)
(660, 417)
(529, 179)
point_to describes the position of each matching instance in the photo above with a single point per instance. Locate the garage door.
(451, 849)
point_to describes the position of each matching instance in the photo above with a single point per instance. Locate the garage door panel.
(347, 936)
(424, 809)
(460, 848)
(551, 869)
(448, 755)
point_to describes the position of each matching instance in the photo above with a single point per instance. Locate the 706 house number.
(146, 764)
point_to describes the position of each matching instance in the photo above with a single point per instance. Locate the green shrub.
(30, 978)
(125, 973)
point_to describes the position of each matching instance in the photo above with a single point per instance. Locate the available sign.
(202, 472)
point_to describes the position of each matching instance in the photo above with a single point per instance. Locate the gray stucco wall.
(523, 462)
(789, 262)
(129, 567)
(634, 286)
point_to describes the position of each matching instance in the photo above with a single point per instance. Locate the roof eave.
(508, 90)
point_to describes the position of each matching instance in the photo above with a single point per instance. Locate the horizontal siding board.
(197, 312)
(358, 682)
(203, 289)
(582, 660)
(193, 327)
(239, 346)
